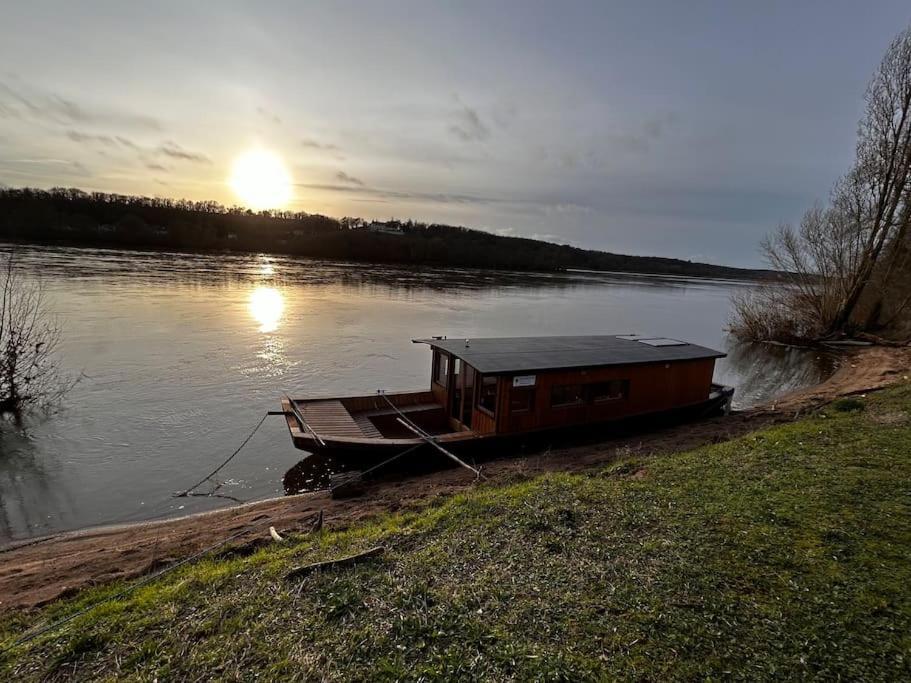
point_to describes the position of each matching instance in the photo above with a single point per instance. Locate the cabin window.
(440, 367)
(487, 394)
(566, 395)
(613, 390)
(521, 399)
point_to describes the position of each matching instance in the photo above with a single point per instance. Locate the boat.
(485, 393)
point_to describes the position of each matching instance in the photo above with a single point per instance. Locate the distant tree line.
(71, 216)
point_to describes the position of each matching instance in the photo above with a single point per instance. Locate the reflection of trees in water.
(244, 269)
(764, 371)
(24, 480)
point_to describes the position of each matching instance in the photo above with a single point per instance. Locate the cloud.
(8, 112)
(167, 149)
(505, 113)
(271, 116)
(343, 177)
(315, 144)
(77, 136)
(641, 139)
(362, 193)
(436, 197)
(80, 169)
(175, 151)
(566, 208)
(126, 143)
(112, 141)
(468, 126)
(44, 166)
(50, 107)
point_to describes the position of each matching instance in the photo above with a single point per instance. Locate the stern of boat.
(721, 398)
(360, 423)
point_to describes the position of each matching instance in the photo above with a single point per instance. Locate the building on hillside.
(385, 228)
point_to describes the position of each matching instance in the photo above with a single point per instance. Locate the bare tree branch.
(30, 375)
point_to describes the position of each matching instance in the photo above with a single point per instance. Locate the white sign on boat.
(523, 381)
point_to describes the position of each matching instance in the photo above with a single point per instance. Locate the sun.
(260, 180)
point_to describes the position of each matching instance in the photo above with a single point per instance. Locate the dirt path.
(34, 573)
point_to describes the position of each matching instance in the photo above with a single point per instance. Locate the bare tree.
(880, 184)
(850, 251)
(30, 375)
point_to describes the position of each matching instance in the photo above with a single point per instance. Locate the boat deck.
(332, 418)
(368, 417)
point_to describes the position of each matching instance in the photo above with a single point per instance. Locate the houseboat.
(486, 391)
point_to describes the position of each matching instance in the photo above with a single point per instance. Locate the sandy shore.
(34, 573)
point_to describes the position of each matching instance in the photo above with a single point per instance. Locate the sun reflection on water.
(267, 305)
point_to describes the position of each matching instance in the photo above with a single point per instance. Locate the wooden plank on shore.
(300, 572)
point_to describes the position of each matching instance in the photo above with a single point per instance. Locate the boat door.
(468, 375)
(455, 389)
(461, 397)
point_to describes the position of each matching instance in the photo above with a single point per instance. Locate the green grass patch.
(847, 405)
(783, 554)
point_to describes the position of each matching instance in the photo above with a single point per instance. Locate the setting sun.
(260, 180)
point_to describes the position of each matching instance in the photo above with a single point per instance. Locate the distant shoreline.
(745, 274)
(71, 217)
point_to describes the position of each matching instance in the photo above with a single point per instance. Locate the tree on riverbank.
(30, 375)
(846, 262)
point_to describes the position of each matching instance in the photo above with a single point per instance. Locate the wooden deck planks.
(331, 418)
(367, 426)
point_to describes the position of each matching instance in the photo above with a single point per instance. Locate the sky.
(684, 129)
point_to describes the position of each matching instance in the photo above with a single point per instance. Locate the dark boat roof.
(526, 354)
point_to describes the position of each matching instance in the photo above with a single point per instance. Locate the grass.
(783, 554)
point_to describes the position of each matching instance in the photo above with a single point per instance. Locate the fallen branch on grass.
(351, 560)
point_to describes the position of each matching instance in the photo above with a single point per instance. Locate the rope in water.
(218, 469)
(144, 512)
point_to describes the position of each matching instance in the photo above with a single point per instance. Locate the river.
(181, 354)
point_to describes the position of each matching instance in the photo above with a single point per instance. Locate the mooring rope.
(394, 457)
(144, 512)
(218, 469)
(428, 438)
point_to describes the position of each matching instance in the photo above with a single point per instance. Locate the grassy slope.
(785, 553)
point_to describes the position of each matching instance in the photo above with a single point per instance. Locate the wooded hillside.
(71, 216)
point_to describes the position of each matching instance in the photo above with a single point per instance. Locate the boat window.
(487, 394)
(440, 367)
(564, 395)
(613, 390)
(521, 399)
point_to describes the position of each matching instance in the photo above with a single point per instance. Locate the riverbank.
(780, 552)
(36, 573)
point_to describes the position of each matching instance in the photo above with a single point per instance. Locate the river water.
(180, 355)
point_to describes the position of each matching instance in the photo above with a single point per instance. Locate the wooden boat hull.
(366, 451)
